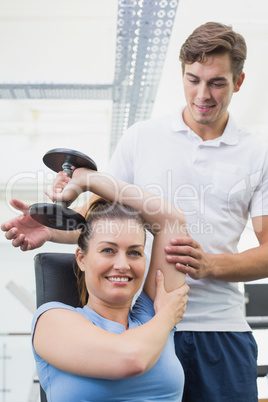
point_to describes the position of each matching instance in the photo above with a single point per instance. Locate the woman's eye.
(107, 250)
(136, 253)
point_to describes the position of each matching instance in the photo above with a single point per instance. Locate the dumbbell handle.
(67, 168)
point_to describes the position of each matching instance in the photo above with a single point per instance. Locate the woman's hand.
(24, 231)
(68, 189)
(173, 304)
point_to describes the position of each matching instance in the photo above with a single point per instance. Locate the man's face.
(208, 88)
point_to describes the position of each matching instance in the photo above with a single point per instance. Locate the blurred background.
(75, 74)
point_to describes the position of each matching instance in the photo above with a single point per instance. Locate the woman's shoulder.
(143, 309)
(49, 306)
(52, 305)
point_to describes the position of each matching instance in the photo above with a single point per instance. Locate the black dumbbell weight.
(57, 215)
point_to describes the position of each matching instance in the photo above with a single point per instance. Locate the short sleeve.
(42, 309)
(143, 309)
(259, 201)
(121, 164)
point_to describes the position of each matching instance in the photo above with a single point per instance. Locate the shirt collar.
(177, 122)
(228, 137)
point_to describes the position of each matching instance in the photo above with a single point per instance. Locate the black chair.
(55, 281)
(256, 306)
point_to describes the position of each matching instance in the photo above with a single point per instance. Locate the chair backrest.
(55, 281)
(55, 278)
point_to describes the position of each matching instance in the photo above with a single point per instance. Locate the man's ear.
(239, 82)
(80, 259)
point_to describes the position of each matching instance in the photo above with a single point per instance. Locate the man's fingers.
(21, 242)
(11, 233)
(5, 226)
(18, 241)
(188, 270)
(179, 250)
(20, 206)
(183, 241)
(25, 246)
(185, 255)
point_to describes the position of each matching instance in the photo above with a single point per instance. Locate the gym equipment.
(57, 215)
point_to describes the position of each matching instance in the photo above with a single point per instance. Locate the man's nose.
(203, 92)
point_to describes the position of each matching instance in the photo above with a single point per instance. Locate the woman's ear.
(79, 256)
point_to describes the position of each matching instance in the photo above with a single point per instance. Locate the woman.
(105, 352)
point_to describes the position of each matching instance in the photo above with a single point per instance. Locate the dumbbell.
(57, 215)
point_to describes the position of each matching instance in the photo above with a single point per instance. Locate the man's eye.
(194, 81)
(217, 85)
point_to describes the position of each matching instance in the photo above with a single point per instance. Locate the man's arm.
(248, 265)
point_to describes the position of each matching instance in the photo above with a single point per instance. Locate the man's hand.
(24, 231)
(189, 257)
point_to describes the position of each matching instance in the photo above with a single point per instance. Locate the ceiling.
(76, 73)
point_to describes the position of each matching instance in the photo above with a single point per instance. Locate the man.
(217, 174)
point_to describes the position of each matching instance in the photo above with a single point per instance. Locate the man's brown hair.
(214, 38)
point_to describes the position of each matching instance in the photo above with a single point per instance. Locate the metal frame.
(143, 32)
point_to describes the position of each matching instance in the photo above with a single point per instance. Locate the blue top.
(163, 382)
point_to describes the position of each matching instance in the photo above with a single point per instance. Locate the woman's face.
(114, 263)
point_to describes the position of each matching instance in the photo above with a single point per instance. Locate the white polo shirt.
(217, 183)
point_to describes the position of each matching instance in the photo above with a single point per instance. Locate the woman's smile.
(119, 279)
(114, 263)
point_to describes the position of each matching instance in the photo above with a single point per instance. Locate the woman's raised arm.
(163, 219)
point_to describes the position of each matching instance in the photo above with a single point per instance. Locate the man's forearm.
(246, 266)
(64, 237)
